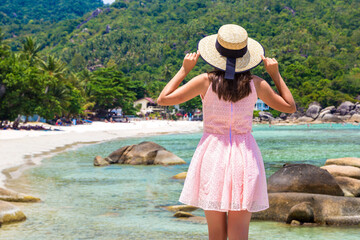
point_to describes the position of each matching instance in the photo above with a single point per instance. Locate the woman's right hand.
(271, 66)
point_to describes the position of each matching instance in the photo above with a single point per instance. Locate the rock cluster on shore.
(307, 194)
(346, 172)
(345, 112)
(10, 213)
(144, 153)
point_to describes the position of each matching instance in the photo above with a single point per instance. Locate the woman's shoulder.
(257, 81)
(206, 79)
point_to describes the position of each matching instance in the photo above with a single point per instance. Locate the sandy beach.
(23, 148)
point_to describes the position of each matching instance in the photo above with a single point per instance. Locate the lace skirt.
(226, 173)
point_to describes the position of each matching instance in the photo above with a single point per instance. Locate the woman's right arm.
(283, 102)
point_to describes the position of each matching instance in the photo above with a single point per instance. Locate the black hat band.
(231, 56)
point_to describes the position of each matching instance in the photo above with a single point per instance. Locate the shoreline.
(23, 149)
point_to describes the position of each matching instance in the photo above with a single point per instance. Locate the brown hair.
(230, 90)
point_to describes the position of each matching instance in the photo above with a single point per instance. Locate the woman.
(226, 176)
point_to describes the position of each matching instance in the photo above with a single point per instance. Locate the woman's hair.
(230, 90)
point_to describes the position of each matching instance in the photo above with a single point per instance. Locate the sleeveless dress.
(227, 170)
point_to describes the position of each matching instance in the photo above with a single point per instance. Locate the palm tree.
(85, 77)
(31, 48)
(53, 66)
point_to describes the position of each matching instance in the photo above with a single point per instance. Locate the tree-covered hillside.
(18, 12)
(317, 42)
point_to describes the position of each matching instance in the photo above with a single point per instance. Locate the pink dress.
(227, 170)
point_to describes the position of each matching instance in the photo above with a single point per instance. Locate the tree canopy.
(316, 43)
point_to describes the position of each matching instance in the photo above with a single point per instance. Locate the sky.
(108, 1)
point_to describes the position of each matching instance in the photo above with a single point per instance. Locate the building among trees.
(260, 105)
(148, 105)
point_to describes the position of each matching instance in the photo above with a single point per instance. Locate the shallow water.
(81, 201)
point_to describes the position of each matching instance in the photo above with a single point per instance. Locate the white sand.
(19, 147)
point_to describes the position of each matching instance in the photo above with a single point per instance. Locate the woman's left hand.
(190, 61)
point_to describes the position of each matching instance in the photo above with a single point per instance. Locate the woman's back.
(228, 118)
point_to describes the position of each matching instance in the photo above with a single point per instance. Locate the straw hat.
(231, 50)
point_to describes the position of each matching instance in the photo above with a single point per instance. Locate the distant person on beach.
(226, 176)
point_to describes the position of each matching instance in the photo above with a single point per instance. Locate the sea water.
(80, 201)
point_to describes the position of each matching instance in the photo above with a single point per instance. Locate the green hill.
(317, 42)
(19, 12)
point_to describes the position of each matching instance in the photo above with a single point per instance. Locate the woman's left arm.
(172, 95)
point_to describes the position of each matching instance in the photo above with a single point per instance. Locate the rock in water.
(344, 171)
(346, 161)
(184, 208)
(12, 196)
(325, 208)
(145, 153)
(99, 161)
(179, 214)
(181, 175)
(304, 178)
(118, 156)
(10, 213)
(313, 110)
(350, 185)
(302, 212)
(164, 157)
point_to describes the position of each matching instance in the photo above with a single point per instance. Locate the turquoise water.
(81, 201)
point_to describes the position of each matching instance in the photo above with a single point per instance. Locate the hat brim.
(251, 59)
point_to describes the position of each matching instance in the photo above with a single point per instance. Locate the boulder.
(313, 110)
(183, 208)
(295, 115)
(179, 214)
(345, 117)
(164, 157)
(305, 178)
(283, 116)
(330, 109)
(266, 116)
(352, 112)
(325, 208)
(344, 171)
(295, 223)
(305, 119)
(181, 175)
(108, 28)
(12, 196)
(345, 108)
(9, 213)
(116, 156)
(355, 118)
(302, 212)
(144, 153)
(350, 185)
(99, 161)
(322, 113)
(331, 118)
(357, 107)
(346, 161)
